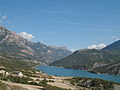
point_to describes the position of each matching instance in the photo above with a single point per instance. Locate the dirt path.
(28, 87)
(61, 85)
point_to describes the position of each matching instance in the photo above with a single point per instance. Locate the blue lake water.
(57, 71)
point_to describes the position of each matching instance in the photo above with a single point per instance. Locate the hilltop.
(106, 60)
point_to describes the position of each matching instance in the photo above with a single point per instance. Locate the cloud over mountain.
(26, 35)
(99, 46)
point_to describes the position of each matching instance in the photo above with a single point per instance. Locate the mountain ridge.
(15, 46)
(94, 60)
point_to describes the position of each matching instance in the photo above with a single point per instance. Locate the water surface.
(57, 71)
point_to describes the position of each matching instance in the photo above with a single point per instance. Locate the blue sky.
(75, 24)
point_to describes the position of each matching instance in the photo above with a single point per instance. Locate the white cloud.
(73, 50)
(92, 47)
(4, 17)
(99, 46)
(26, 35)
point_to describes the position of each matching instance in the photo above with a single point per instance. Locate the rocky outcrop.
(112, 69)
(94, 84)
(99, 64)
(87, 83)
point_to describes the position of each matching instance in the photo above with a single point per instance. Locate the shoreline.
(92, 74)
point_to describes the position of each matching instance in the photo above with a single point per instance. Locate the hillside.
(105, 60)
(113, 46)
(14, 46)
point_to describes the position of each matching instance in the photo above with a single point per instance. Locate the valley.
(100, 61)
(19, 58)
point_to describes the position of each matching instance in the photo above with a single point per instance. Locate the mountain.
(106, 60)
(14, 46)
(113, 46)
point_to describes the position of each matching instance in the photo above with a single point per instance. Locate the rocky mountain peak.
(13, 44)
(1, 27)
(3, 30)
(10, 36)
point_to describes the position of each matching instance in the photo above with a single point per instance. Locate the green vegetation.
(15, 64)
(95, 84)
(23, 80)
(86, 59)
(43, 82)
(15, 79)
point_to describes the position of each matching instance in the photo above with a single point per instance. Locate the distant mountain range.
(106, 60)
(17, 49)
(14, 46)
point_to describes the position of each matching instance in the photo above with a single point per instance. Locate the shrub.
(43, 82)
(23, 80)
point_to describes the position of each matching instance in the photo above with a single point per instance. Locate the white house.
(7, 73)
(18, 73)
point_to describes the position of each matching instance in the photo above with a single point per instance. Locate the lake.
(58, 71)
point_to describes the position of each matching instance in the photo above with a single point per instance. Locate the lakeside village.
(32, 80)
(37, 80)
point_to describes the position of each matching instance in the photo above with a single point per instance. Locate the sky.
(76, 24)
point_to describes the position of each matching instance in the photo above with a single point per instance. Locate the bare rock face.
(114, 69)
(9, 36)
(99, 64)
(92, 84)
(87, 83)
(13, 44)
